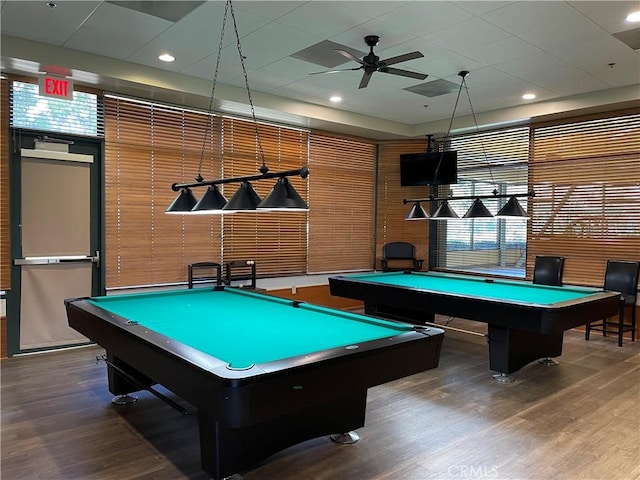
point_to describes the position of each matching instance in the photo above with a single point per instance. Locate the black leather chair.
(399, 252)
(548, 270)
(620, 276)
(204, 273)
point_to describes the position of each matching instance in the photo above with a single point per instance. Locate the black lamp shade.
(512, 209)
(211, 202)
(183, 203)
(444, 212)
(283, 197)
(245, 199)
(478, 210)
(417, 213)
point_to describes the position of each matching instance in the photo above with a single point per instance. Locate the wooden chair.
(399, 251)
(620, 276)
(548, 270)
(204, 273)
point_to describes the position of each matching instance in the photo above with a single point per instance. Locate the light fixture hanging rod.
(303, 172)
(470, 197)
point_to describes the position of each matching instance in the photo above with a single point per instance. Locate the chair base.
(612, 328)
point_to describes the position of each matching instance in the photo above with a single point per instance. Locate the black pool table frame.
(518, 333)
(246, 415)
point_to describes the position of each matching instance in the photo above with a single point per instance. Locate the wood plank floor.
(578, 420)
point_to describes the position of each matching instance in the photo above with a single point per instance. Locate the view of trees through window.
(29, 110)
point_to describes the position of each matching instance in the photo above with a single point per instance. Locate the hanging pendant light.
(183, 203)
(444, 212)
(283, 197)
(512, 209)
(478, 210)
(417, 212)
(245, 199)
(212, 202)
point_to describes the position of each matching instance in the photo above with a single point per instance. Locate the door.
(57, 256)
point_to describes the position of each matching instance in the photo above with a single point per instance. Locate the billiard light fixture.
(511, 209)
(477, 210)
(283, 196)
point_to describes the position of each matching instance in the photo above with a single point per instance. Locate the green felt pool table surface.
(498, 289)
(244, 328)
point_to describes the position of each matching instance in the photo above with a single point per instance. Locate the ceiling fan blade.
(402, 58)
(336, 71)
(404, 73)
(365, 78)
(349, 56)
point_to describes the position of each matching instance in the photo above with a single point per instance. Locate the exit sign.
(57, 87)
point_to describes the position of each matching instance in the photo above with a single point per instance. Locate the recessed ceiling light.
(633, 17)
(528, 96)
(165, 57)
(335, 99)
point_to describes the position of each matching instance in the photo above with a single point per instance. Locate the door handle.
(56, 259)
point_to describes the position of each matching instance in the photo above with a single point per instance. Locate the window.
(585, 172)
(487, 161)
(80, 116)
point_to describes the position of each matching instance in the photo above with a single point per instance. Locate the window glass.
(29, 110)
(488, 162)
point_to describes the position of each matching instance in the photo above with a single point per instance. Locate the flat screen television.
(420, 168)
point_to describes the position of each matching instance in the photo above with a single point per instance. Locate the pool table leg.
(510, 349)
(226, 450)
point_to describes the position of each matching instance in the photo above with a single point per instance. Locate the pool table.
(264, 373)
(526, 321)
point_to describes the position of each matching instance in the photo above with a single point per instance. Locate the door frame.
(19, 139)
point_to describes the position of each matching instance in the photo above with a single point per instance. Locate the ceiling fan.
(372, 63)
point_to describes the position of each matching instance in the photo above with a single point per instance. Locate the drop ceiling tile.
(25, 20)
(459, 37)
(323, 19)
(547, 71)
(171, 11)
(115, 31)
(500, 51)
(422, 18)
(451, 65)
(520, 17)
(270, 10)
(608, 14)
(280, 38)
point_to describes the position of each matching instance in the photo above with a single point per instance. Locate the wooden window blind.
(586, 175)
(147, 148)
(5, 243)
(277, 241)
(391, 212)
(342, 199)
